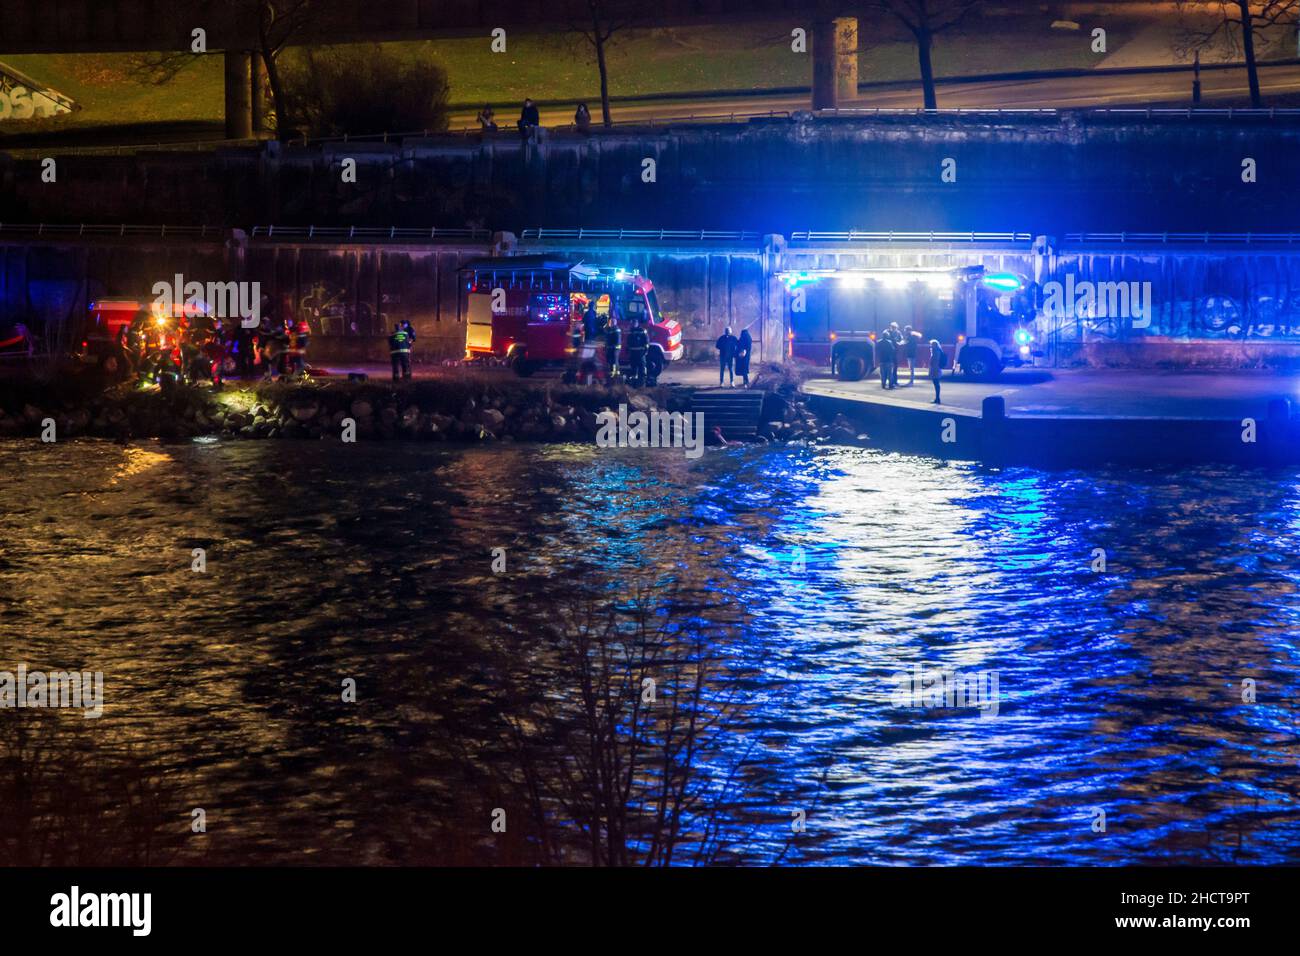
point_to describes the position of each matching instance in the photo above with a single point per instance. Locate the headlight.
(1023, 336)
(1024, 350)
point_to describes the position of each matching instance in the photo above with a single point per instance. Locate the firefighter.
(575, 348)
(298, 354)
(399, 350)
(613, 342)
(638, 343)
(590, 321)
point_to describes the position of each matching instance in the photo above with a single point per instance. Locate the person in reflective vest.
(399, 350)
(613, 342)
(575, 348)
(638, 343)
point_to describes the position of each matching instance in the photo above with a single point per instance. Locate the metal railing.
(119, 230)
(854, 235)
(369, 233)
(633, 235)
(1165, 238)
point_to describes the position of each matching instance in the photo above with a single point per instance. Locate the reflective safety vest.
(399, 343)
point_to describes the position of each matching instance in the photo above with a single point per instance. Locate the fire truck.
(985, 321)
(521, 309)
(104, 335)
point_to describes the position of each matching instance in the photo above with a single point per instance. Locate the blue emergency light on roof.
(1003, 281)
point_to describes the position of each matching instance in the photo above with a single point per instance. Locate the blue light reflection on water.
(1119, 690)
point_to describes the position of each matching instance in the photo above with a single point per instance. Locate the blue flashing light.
(794, 280)
(1023, 336)
(1003, 282)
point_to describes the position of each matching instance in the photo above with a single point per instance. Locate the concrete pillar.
(835, 61)
(239, 116)
(257, 92)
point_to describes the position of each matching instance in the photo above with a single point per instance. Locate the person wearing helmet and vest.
(399, 350)
(613, 342)
(298, 353)
(638, 343)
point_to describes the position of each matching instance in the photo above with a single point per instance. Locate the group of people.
(733, 356)
(530, 119)
(588, 330)
(200, 347)
(895, 344)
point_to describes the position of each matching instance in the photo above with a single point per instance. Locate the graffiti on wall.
(23, 98)
(1181, 297)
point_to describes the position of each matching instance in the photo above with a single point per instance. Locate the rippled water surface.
(1120, 691)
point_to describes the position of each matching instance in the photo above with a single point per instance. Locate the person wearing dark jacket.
(937, 361)
(726, 346)
(638, 344)
(582, 118)
(529, 120)
(886, 355)
(399, 350)
(613, 342)
(590, 322)
(744, 348)
(912, 341)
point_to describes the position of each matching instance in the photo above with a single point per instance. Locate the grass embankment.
(119, 105)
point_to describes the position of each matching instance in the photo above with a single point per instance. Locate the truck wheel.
(853, 367)
(980, 365)
(523, 368)
(654, 366)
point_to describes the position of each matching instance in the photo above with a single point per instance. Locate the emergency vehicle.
(105, 334)
(985, 321)
(521, 310)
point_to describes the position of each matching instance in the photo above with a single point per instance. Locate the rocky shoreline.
(467, 408)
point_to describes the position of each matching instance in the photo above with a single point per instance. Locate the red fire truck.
(985, 321)
(521, 310)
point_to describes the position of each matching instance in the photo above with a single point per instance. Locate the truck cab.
(522, 310)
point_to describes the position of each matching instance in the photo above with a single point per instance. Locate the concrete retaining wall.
(1049, 174)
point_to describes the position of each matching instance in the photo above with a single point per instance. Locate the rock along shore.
(464, 407)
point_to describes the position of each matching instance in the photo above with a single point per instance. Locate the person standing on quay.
(726, 346)
(937, 361)
(744, 348)
(886, 354)
(912, 340)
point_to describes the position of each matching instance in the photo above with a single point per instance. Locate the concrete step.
(735, 411)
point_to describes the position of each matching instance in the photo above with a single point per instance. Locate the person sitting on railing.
(529, 120)
(582, 118)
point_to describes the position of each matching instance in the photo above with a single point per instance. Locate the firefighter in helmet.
(399, 350)
(575, 347)
(613, 342)
(638, 343)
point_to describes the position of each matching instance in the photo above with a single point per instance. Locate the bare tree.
(604, 19)
(1233, 26)
(926, 19)
(274, 24)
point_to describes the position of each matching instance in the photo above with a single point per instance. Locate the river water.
(822, 574)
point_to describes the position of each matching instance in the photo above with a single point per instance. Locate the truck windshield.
(653, 301)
